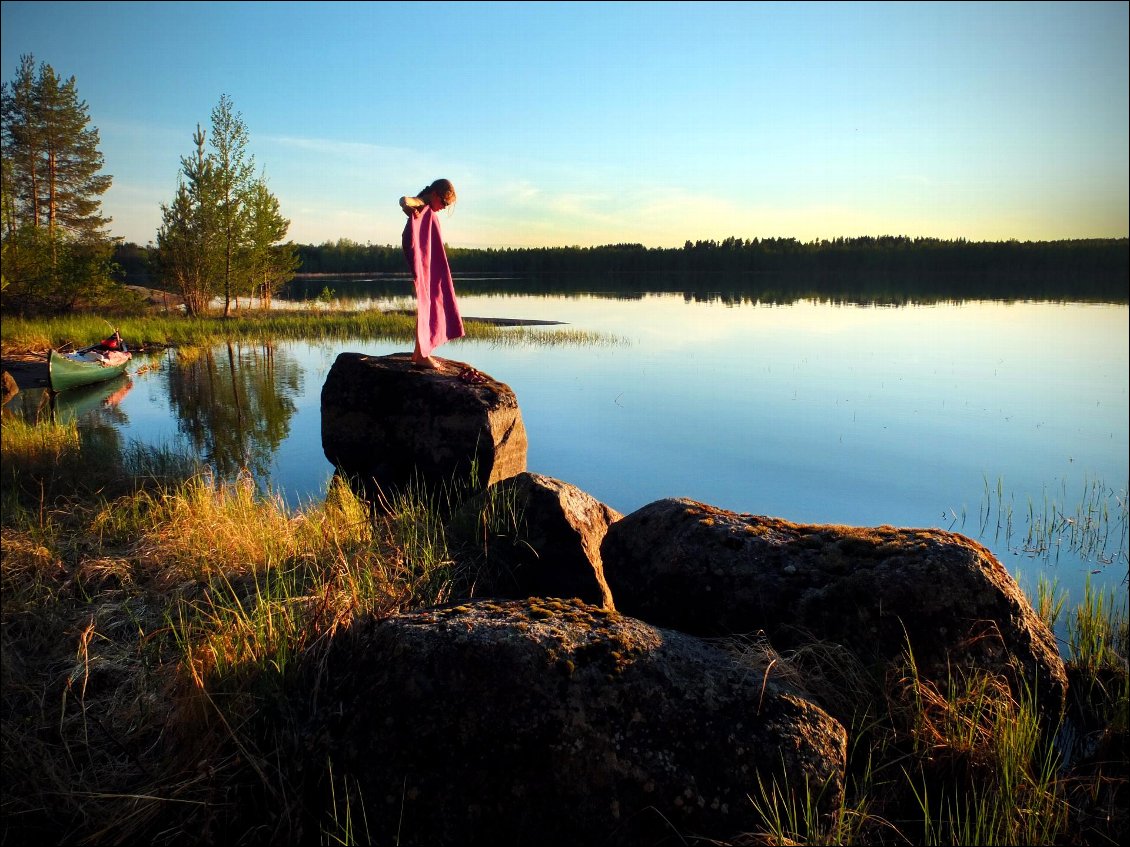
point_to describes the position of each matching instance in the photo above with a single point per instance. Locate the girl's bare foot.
(425, 362)
(422, 361)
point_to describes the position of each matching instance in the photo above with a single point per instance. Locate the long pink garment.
(437, 310)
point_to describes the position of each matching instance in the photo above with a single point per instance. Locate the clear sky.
(596, 123)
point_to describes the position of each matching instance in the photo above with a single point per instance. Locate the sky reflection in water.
(822, 413)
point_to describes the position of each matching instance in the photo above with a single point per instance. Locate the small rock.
(554, 550)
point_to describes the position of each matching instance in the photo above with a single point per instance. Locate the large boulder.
(552, 722)
(389, 423)
(552, 544)
(686, 565)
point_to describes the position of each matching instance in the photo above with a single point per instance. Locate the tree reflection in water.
(234, 403)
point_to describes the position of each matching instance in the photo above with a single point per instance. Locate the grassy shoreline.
(157, 623)
(22, 336)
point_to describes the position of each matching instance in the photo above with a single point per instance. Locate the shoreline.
(491, 321)
(29, 370)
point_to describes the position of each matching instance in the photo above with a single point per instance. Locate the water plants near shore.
(157, 621)
(20, 335)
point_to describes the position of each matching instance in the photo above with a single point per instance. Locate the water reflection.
(811, 412)
(99, 403)
(234, 404)
(858, 285)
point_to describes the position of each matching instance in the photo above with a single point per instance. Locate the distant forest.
(880, 269)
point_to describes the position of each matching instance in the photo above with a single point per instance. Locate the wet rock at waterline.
(389, 422)
(10, 387)
(554, 722)
(545, 541)
(686, 565)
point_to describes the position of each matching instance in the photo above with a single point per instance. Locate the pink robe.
(437, 311)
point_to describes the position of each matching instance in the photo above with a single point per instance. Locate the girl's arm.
(412, 205)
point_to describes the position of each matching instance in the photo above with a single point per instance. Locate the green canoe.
(64, 373)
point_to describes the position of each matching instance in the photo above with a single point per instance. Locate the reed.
(1050, 600)
(20, 335)
(1096, 634)
(1093, 524)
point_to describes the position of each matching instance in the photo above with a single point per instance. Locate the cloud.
(336, 149)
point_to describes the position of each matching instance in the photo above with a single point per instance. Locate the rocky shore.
(588, 690)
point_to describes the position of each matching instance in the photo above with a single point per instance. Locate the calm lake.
(1004, 421)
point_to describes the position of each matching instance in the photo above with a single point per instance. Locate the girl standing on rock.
(437, 311)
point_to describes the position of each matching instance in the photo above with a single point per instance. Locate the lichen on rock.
(554, 722)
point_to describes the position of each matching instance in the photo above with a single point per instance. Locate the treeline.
(865, 269)
(884, 267)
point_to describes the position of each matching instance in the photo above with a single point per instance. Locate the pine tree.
(220, 235)
(20, 141)
(270, 264)
(54, 154)
(74, 185)
(234, 171)
(189, 240)
(56, 249)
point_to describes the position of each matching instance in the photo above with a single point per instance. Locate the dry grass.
(161, 648)
(146, 634)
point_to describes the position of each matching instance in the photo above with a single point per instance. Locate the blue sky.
(597, 123)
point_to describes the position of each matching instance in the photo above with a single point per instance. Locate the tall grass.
(21, 334)
(345, 825)
(162, 634)
(975, 731)
(961, 761)
(179, 610)
(38, 461)
(180, 330)
(1097, 634)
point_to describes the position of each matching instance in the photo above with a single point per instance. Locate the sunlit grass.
(30, 447)
(196, 600)
(157, 630)
(971, 730)
(1050, 600)
(958, 761)
(1097, 637)
(19, 335)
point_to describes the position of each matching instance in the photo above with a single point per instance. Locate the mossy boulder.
(876, 590)
(553, 722)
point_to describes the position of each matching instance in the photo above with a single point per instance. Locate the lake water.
(982, 417)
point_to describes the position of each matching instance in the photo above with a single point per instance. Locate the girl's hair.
(441, 188)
